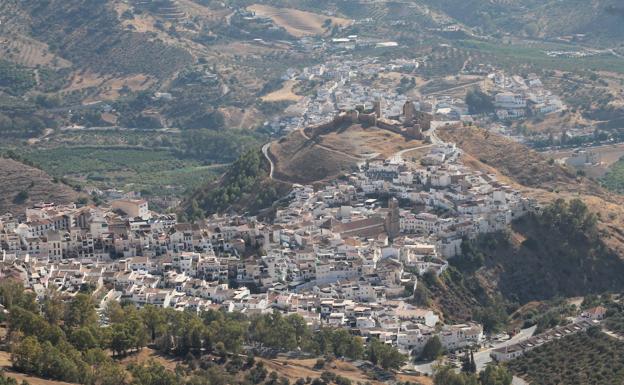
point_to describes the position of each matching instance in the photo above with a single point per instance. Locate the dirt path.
(356, 158)
(446, 90)
(265, 151)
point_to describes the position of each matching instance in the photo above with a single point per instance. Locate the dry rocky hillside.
(301, 160)
(538, 177)
(33, 184)
(305, 158)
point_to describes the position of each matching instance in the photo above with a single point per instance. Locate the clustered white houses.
(453, 201)
(518, 97)
(315, 266)
(340, 88)
(338, 256)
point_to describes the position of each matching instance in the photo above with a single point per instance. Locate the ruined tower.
(377, 108)
(409, 112)
(392, 224)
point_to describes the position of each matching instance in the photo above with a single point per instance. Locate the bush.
(21, 197)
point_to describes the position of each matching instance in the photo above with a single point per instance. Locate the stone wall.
(415, 122)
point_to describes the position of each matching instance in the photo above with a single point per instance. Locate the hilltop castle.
(411, 123)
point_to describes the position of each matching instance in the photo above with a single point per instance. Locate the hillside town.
(340, 88)
(347, 255)
(517, 97)
(340, 84)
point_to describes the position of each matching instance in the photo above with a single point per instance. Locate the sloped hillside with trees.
(600, 20)
(581, 359)
(23, 185)
(556, 253)
(245, 186)
(89, 34)
(562, 254)
(63, 339)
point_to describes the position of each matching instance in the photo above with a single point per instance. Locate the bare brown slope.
(302, 160)
(16, 177)
(516, 161)
(304, 157)
(532, 172)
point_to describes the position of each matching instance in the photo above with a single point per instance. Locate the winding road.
(265, 151)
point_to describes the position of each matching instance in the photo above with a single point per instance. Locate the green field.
(153, 171)
(535, 55)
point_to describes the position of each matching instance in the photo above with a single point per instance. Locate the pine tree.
(473, 364)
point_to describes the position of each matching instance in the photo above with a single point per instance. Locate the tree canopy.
(479, 102)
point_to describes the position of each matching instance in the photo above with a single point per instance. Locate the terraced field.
(29, 52)
(295, 22)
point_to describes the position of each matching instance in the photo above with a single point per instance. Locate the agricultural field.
(584, 358)
(152, 171)
(109, 137)
(15, 79)
(534, 56)
(106, 87)
(298, 23)
(29, 52)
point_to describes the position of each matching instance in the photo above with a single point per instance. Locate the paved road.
(432, 131)
(265, 151)
(482, 358)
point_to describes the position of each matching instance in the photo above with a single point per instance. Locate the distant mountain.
(600, 20)
(90, 35)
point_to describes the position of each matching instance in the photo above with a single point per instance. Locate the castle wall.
(415, 122)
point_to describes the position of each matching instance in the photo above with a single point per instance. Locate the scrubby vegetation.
(479, 102)
(562, 256)
(63, 340)
(15, 79)
(546, 315)
(18, 118)
(99, 42)
(4, 380)
(580, 359)
(492, 375)
(614, 178)
(462, 296)
(219, 146)
(245, 184)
